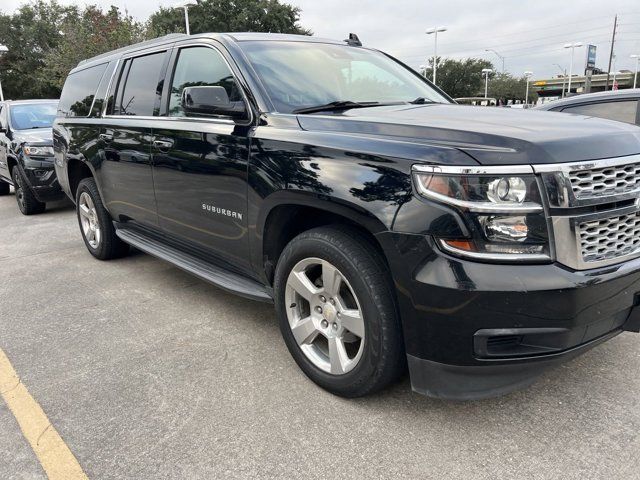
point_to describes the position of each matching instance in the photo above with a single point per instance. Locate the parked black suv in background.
(387, 224)
(26, 153)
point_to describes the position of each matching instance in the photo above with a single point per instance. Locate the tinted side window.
(622, 111)
(200, 66)
(140, 88)
(79, 90)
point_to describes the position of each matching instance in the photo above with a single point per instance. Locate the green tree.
(85, 34)
(507, 87)
(461, 78)
(229, 16)
(30, 33)
(46, 40)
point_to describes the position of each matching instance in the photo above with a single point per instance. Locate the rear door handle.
(163, 144)
(106, 137)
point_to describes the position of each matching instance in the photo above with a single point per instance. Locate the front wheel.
(337, 311)
(27, 201)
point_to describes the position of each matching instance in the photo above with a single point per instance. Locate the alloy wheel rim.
(325, 316)
(89, 220)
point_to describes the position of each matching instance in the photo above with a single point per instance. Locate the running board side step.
(229, 281)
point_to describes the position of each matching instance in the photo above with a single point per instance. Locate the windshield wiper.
(337, 106)
(421, 101)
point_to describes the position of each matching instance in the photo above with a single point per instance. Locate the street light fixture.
(435, 31)
(572, 46)
(3, 50)
(527, 74)
(186, 4)
(635, 76)
(499, 56)
(486, 72)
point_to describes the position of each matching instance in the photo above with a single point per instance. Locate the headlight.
(502, 207)
(35, 151)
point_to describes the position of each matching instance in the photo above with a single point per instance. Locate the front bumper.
(475, 330)
(42, 179)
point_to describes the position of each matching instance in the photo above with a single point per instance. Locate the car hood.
(492, 136)
(36, 136)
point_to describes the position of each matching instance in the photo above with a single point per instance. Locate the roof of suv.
(228, 37)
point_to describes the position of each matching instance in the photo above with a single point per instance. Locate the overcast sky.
(530, 34)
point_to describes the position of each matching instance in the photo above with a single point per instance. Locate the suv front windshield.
(299, 75)
(25, 116)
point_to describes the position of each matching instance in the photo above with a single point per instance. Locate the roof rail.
(139, 44)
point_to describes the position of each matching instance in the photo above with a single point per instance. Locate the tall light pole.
(3, 50)
(499, 56)
(564, 77)
(526, 95)
(635, 76)
(435, 31)
(572, 46)
(185, 5)
(486, 72)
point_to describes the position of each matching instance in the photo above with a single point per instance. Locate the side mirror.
(211, 100)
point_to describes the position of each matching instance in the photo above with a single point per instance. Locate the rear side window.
(140, 89)
(200, 66)
(622, 111)
(79, 91)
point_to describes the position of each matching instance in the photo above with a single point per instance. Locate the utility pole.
(613, 41)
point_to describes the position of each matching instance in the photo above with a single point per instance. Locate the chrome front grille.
(595, 210)
(609, 238)
(606, 181)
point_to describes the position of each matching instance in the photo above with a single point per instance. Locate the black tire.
(27, 202)
(5, 189)
(383, 359)
(109, 245)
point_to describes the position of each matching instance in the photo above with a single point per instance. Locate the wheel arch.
(12, 161)
(288, 215)
(77, 170)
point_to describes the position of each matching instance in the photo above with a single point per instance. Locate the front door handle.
(163, 144)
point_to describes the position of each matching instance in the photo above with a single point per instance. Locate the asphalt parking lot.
(147, 372)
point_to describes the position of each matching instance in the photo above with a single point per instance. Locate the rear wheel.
(337, 311)
(96, 226)
(27, 201)
(4, 188)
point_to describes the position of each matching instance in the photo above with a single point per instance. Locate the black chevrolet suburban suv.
(26, 153)
(390, 227)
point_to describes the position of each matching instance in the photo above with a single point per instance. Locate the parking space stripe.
(53, 454)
